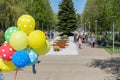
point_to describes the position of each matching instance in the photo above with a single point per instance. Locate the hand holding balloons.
(13, 53)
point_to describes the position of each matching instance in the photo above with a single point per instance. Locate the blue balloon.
(20, 58)
(33, 57)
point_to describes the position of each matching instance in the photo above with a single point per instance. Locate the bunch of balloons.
(23, 45)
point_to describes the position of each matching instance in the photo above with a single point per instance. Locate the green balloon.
(5, 42)
(9, 31)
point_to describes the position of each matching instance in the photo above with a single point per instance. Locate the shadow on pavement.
(111, 65)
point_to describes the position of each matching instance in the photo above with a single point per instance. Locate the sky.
(78, 5)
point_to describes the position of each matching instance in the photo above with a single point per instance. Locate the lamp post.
(42, 26)
(113, 27)
(96, 28)
(85, 28)
(89, 28)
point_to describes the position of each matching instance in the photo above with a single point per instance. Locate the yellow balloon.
(36, 39)
(6, 66)
(44, 49)
(19, 40)
(48, 45)
(26, 23)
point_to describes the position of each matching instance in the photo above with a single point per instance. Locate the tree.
(42, 12)
(67, 17)
(10, 10)
(91, 12)
(78, 18)
(102, 10)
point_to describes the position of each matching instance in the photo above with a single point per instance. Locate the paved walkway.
(65, 67)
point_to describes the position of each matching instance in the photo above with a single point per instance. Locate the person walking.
(79, 42)
(93, 41)
(83, 37)
(75, 37)
(34, 68)
(90, 40)
(51, 34)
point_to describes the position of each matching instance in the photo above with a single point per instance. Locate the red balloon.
(6, 52)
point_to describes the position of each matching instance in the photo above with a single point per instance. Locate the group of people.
(84, 38)
(78, 39)
(92, 40)
(49, 34)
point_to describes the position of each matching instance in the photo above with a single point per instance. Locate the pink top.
(80, 41)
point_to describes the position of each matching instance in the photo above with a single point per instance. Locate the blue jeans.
(1, 76)
(34, 69)
(79, 45)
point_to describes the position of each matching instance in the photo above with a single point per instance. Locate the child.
(79, 42)
(93, 42)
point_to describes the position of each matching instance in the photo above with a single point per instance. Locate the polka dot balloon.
(6, 52)
(20, 59)
(6, 66)
(9, 31)
(26, 23)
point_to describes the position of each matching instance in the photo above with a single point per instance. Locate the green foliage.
(11, 10)
(78, 18)
(64, 37)
(67, 17)
(110, 49)
(102, 10)
(42, 12)
(1, 37)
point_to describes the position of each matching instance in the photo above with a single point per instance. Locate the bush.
(68, 34)
(64, 37)
(1, 37)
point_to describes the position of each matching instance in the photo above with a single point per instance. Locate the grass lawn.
(110, 50)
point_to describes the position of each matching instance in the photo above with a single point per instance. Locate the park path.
(65, 67)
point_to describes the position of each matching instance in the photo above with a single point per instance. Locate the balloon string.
(15, 74)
